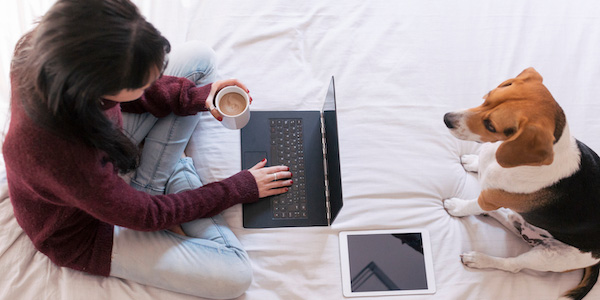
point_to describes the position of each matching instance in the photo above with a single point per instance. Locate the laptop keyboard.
(287, 149)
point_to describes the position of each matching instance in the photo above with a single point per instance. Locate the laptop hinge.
(324, 146)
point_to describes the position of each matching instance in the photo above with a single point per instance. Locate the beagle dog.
(536, 180)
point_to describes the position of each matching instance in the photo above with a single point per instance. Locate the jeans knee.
(231, 283)
(202, 51)
(193, 60)
(240, 282)
(184, 177)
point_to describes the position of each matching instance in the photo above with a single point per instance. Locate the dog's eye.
(506, 84)
(488, 125)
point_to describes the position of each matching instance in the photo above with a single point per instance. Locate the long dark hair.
(79, 52)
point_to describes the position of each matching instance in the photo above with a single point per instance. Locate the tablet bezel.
(345, 263)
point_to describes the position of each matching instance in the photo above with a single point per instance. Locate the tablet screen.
(390, 262)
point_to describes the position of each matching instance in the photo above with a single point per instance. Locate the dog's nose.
(448, 120)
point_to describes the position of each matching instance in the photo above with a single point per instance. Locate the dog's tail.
(590, 276)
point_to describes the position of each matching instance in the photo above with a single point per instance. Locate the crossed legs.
(209, 260)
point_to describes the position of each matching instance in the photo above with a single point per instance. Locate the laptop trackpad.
(251, 158)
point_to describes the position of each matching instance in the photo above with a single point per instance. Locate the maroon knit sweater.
(67, 198)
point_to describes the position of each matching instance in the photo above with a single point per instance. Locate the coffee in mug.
(233, 103)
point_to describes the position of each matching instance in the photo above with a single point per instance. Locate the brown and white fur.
(527, 158)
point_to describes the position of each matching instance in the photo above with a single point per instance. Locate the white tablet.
(386, 262)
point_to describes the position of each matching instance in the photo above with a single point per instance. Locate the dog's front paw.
(474, 259)
(459, 208)
(478, 260)
(470, 162)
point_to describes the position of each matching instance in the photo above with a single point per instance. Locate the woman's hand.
(215, 88)
(271, 180)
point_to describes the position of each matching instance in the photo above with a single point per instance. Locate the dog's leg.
(558, 257)
(460, 207)
(470, 162)
(509, 219)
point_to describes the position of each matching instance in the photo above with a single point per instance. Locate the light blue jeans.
(209, 262)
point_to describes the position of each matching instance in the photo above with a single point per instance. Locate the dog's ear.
(530, 145)
(530, 74)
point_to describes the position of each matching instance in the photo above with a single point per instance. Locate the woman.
(68, 143)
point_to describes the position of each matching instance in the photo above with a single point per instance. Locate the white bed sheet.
(399, 66)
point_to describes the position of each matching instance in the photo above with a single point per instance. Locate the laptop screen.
(332, 155)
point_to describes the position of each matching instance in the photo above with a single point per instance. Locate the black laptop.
(307, 142)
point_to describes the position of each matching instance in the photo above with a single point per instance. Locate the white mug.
(233, 103)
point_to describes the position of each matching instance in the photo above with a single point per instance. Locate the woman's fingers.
(271, 180)
(273, 192)
(218, 85)
(277, 171)
(276, 187)
(281, 176)
(216, 114)
(232, 81)
(276, 183)
(260, 164)
(211, 106)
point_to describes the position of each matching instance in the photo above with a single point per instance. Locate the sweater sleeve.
(87, 181)
(104, 195)
(127, 207)
(170, 95)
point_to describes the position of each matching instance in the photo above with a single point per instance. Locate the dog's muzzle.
(449, 120)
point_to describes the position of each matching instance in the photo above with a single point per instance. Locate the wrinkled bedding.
(399, 66)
